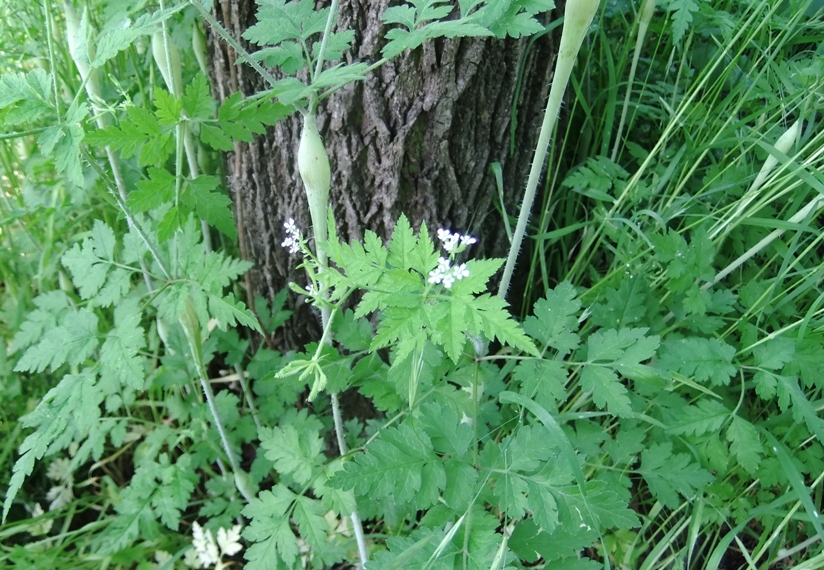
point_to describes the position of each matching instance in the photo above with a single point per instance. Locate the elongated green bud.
(783, 145)
(647, 9)
(77, 36)
(199, 47)
(313, 165)
(169, 66)
(244, 484)
(578, 16)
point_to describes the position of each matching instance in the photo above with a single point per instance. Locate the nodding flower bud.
(313, 165)
(81, 51)
(169, 66)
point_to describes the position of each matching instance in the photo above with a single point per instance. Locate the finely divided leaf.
(294, 453)
(745, 444)
(119, 37)
(197, 100)
(229, 311)
(399, 464)
(610, 351)
(154, 192)
(706, 416)
(487, 315)
(177, 482)
(270, 530)
(213, 207)
(555, 319)
(442, 424)
(542, 380)
(50, 309)
(607, 390)
(121, 367)
(670, 475)
(402, 244)
(707, 360)
(72, 342)
(311, 523)
(65, 414)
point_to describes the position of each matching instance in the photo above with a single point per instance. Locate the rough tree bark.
(416, 137)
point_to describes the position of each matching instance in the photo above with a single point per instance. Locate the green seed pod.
(169, 67)
(313, 165)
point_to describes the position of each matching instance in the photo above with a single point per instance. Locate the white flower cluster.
(292, 241)
(447, 274)
(452, 240)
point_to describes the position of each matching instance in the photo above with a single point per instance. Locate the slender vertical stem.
(577, 18)
(333, 14)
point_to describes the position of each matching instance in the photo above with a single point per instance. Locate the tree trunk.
(416, 137)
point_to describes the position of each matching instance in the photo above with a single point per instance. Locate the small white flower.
(446, 274)
(460, 271)
(437, 275)
(292, 240)
(311, 292)
(43, 527)
(451, 240)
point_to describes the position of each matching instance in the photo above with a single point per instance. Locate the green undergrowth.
(657, 406)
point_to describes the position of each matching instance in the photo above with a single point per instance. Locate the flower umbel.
(454, 242)
(292, 240)
(445, 273)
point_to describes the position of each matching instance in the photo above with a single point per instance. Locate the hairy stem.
(577, 19)
(191, 328)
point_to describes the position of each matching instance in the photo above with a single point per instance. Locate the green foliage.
(658, 406)
(412, 309)
(424, 20)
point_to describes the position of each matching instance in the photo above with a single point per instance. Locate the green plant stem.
(330, 21)
(21, 134)
(576, 23)
(191, 328)
(319, 229)
(247, 394)
(94, 93)
(183, 131)
(799, 216)
(644, 17)
(326, 321)
(227, 37)
(131, 220)
(47, 17)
